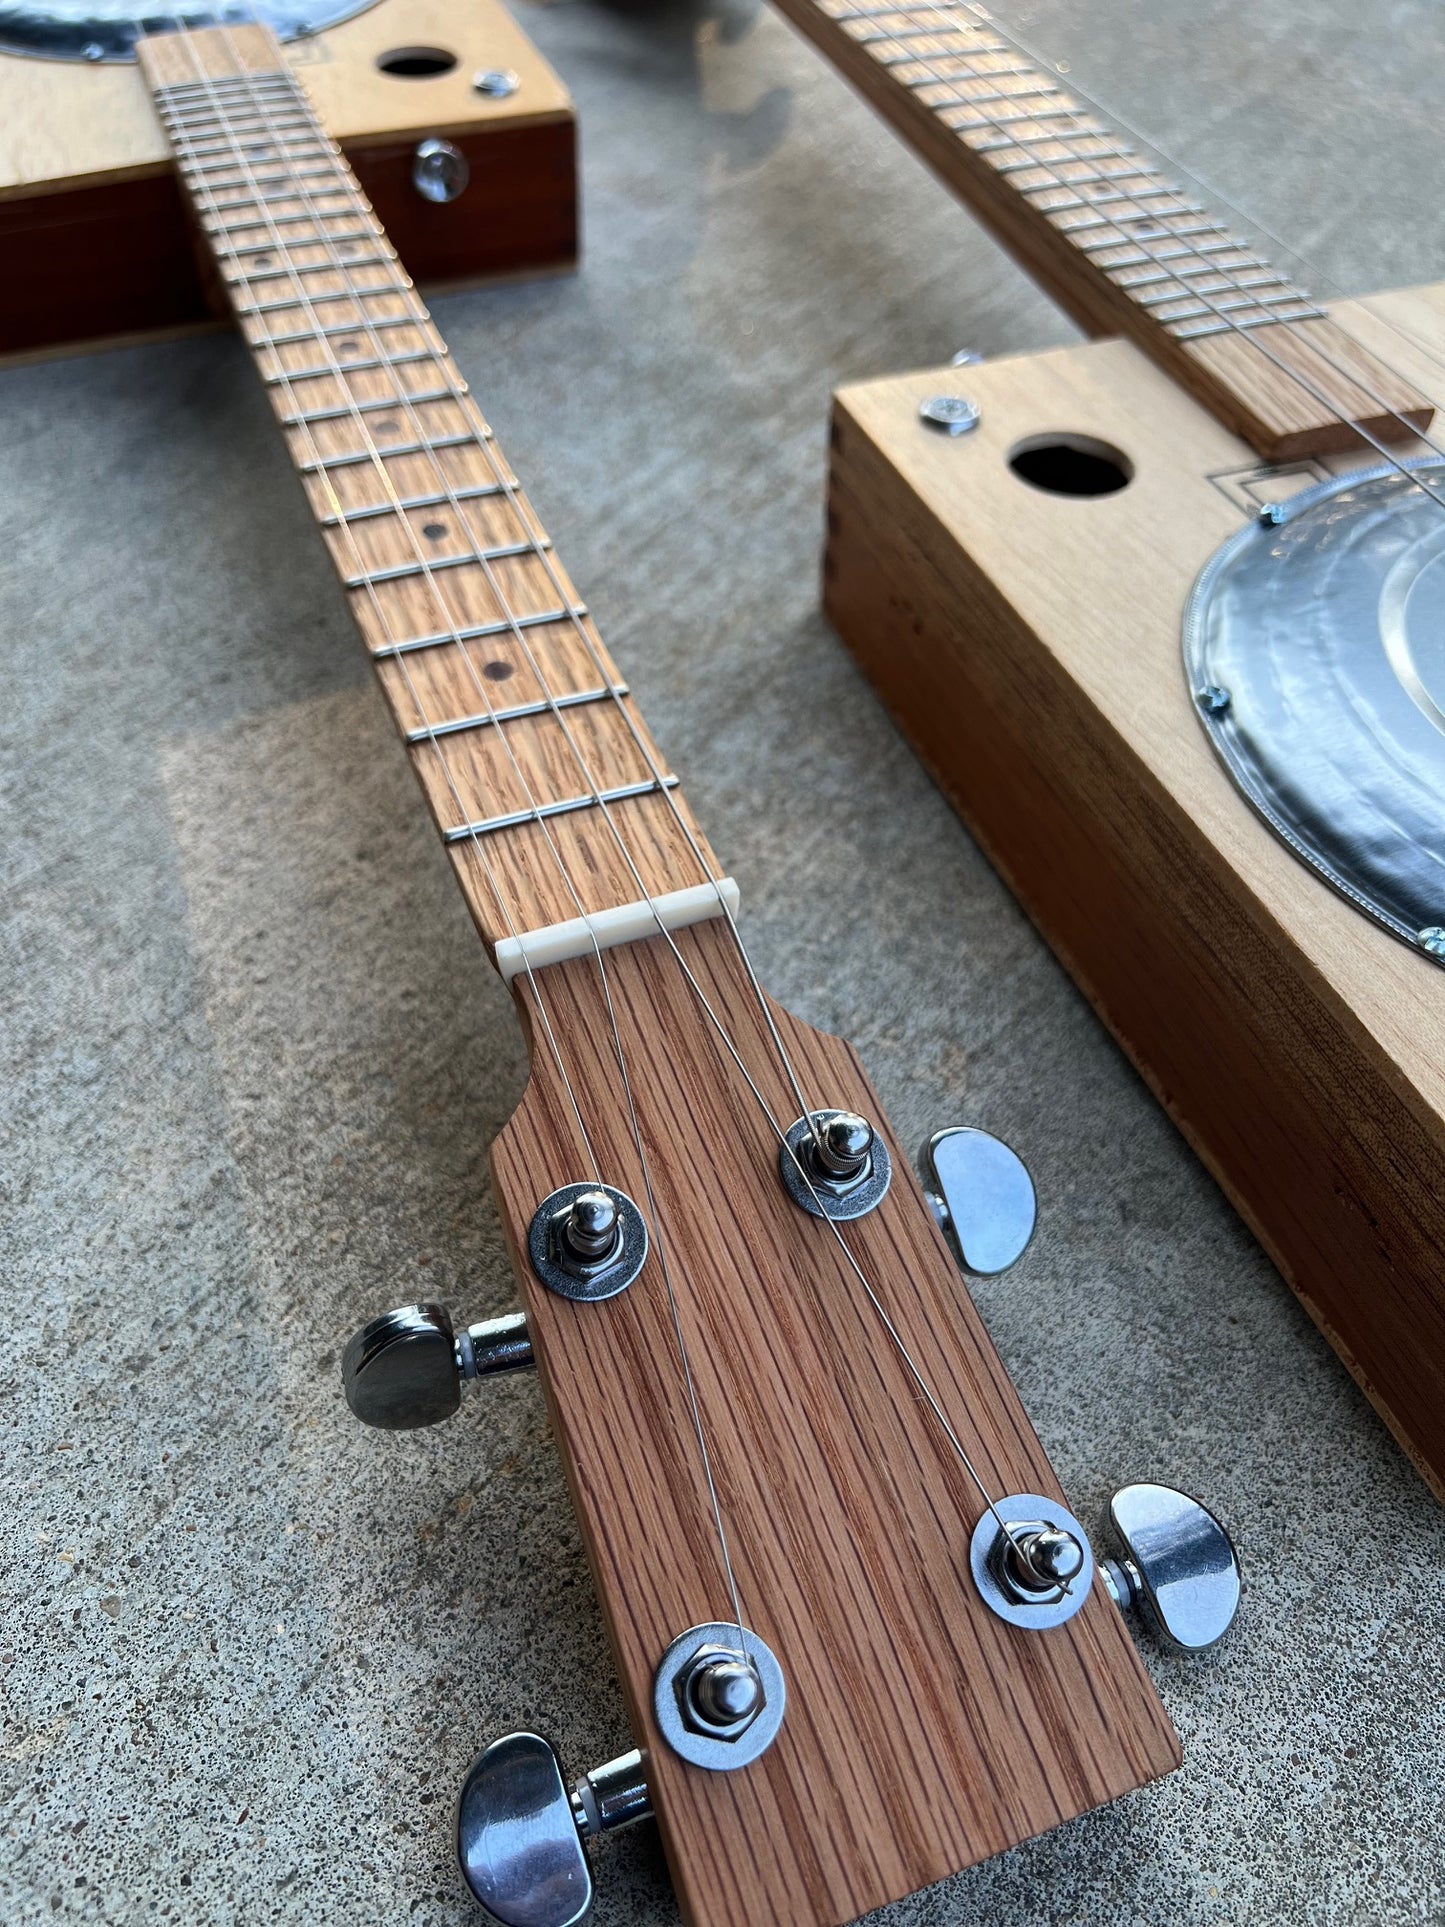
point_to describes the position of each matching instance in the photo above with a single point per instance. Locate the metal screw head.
(589, 1229)
(951, 414)
(1212, 698)
(439, 171)
(1272, 514)
(843, 1145)
(722, 1695)
(1044, 1558)
(1432, 939)
(496, 83)
(966, 358)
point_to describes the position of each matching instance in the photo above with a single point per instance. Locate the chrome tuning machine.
(407, 1368)
(982, 1197)
(1176, 1564)
(520, 1831)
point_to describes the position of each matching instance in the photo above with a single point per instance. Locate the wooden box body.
(1028, 644)
(96, 241)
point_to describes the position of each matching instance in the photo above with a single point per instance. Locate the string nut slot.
(835, 1165)
(587, 1242)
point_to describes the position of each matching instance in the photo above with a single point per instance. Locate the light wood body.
(1029, 645)
(93, 229)
(922, 1733)
(1064, 194)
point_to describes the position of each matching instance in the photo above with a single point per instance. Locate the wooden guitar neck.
(1121, 248)
(523, 736)
(924, 1731)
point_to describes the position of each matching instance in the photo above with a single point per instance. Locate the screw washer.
(701, 1749)
(950, 414)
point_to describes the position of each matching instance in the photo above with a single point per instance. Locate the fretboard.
(552, 798)
(1124, 249)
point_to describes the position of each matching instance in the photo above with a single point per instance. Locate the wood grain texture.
(1069, 200)
(466, 610)
(922, 1734)
(94, 231)
(1029, 646)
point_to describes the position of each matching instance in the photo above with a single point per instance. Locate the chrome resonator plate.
(1314, 641)
(109, 29)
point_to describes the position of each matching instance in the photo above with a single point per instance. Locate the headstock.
(955, 1672)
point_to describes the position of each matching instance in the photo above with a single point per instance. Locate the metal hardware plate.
(719, 1756)
(1022, 1508)
(1314, 642)
(109, 29)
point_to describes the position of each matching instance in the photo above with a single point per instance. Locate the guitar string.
(909, 1362)
(317, 220)
(1352, 375)
(448, 777)
(1153, 148)
(895, 1337)
(1132, 238)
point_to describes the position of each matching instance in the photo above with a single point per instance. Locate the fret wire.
(660, 1244)
(475, 491)
(497, 894)
(984, 121)
(491, 552)
(513, 712)
(836, 1231)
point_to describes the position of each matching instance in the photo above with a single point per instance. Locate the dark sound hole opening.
(1071, 465)
(416, 63)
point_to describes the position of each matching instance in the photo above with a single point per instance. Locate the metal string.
(287, 380)
(1132, 238)
(891, 1329)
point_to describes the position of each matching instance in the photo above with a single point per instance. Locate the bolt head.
(1432, 939)
(950, 414)
(495, 83)
(846, 1141)
(719, 1694)
(590, 1226)
(1212, 698)
(1055, 1554)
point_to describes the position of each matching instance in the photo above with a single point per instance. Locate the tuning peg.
(1178, 1565)
(520, 1832)
(407, 1368)
(982, 1196)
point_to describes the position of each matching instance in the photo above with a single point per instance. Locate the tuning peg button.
(407, 1368)
(1178, 1565)
(982, 1196)
(520, 1832)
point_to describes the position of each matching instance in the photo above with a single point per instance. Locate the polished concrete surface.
(253, 1056)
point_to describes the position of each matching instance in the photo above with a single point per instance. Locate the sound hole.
(416, 63)
(1071, 465)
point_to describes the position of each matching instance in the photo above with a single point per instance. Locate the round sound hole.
(1071, 465)
(416, 63)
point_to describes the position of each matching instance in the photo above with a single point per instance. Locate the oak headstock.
(925, 1703)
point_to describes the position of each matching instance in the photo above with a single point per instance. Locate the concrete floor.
(253, 1056)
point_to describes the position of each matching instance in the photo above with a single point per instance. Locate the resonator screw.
(1213, 698)
(950, 414)
(1432, 939)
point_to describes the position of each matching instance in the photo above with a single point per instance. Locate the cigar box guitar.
(862, 1640)
(1165, 616)
(460, 134)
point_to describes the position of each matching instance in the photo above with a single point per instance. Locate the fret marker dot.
(262, 261)
(386, 428)
(497, 671)
(348, 347)
(433, 531)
